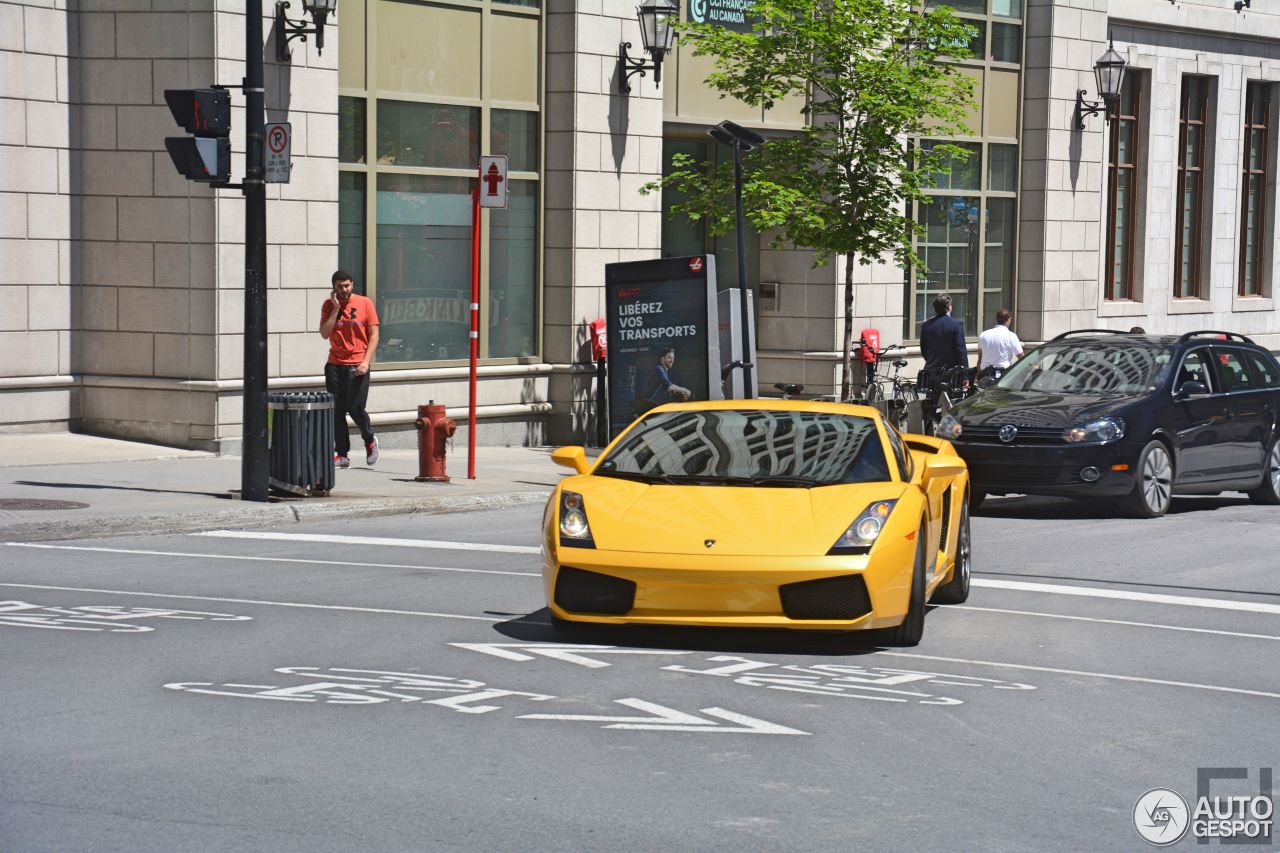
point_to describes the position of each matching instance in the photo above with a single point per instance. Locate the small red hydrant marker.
(434, 427)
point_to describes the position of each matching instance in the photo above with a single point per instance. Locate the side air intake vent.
(843, 597)
(580, 591)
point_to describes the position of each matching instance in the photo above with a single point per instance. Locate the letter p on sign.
(493, 181)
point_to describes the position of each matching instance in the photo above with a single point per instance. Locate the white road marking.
(664, 719)
(335, 539)
(1057, 671)
(1113, 622)
(265, 603)
(270, 559)
(1125, 595)
(569, 653)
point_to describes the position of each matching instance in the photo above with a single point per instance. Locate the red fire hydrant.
(433, 428)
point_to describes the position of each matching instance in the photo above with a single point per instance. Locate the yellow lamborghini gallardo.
(760, 514)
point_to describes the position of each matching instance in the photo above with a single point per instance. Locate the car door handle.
(1227, 414)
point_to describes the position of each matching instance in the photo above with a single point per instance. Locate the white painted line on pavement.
(1112, 622)
(1125, 595)
(335, 539)
(267, 603)
(1135, 678)
(270, 559)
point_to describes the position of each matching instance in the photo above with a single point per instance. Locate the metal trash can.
(300, 441)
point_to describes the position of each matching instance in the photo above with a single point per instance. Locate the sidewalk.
(65, 486)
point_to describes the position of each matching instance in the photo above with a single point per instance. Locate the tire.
(1153, 484)
(1269, 492)
(956, 590)
(976, 500)
(910, 632)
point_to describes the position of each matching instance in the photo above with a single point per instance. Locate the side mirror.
(574, 457)
(1192, 389)
(942, 467)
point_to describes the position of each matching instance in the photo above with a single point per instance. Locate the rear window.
(731, 447)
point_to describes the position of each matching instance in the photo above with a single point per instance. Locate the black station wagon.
(1135, 418)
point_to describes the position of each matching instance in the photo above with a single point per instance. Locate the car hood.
(996, 406)
(743, 521)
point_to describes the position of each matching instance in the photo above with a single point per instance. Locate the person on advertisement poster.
(665, 389)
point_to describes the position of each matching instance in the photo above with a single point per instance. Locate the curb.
(259, 516)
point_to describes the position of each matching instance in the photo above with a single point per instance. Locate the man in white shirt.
(999, 347)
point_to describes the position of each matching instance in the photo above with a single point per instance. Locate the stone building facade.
(123, 282)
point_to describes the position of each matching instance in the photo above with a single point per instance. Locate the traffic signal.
(205, 113)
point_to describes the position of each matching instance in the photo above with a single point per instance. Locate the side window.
(905, 466)
(1266, 368)
(1195, 368)
(1233, 370)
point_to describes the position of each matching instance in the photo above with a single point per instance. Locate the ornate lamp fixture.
(287, 30)
(1109, 71)
(656, 34)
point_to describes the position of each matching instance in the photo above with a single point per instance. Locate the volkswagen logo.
(710, 543)
(1008, 433)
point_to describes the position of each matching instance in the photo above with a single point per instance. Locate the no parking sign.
(275, 153)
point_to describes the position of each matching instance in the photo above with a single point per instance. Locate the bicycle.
(941, 389)
(904, 393)
(870, 392)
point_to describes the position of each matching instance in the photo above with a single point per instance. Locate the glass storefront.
(425, 89)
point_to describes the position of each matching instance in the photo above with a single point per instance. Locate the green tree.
(875, 77)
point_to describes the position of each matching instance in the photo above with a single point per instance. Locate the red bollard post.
(434, 427)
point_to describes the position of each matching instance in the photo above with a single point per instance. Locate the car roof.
(770, 404)
(1156, 341)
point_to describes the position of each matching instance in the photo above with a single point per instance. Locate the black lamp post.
(740, 139)
(656, 35)
(287, 30)
(1109, 72)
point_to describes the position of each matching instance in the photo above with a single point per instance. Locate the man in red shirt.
(349, 322)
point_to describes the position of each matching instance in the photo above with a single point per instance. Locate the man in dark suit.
(942, 338)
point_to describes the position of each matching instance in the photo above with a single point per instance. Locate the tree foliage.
(875, 77)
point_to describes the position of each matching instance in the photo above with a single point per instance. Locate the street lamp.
(656, 35)
(1109, 72)
(740, 139)
(287, 30)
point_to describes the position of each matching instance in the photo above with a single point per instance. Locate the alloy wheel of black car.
(910, 632)
(1153, 483)
(956, 590)
(1269, 491)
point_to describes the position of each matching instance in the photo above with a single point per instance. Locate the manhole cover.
(36, 503)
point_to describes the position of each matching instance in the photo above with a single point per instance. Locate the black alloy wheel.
(956, 590)
(1153, 482)
(1269, 491)
(910, 632)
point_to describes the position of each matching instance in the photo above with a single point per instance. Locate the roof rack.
(1231, 336)
(1089, 332)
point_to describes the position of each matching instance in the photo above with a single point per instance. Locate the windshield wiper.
(786, 480)
(639, 477)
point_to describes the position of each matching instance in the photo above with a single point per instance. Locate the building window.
(413, 120)
(1193, 129)
(1122, 193)
(1257, 123)
(968, 244)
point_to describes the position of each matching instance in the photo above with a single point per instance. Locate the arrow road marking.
(664, 719)
(567, 652)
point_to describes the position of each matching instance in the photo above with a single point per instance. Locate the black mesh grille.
(580, 591)
(946, 520)
(843, 597)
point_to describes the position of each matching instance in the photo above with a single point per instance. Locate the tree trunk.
(847, 372)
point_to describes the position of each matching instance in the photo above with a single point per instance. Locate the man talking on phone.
(349, 322)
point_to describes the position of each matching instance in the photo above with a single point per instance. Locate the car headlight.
(1101, 430)
(865, 530)
(575, 530)
(949, 427)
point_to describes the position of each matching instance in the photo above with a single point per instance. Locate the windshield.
(1088, 368)
(756, 448)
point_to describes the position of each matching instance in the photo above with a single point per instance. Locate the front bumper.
(1057, 470)
(731, 591)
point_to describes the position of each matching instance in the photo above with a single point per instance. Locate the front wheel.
(911, 631)
(1269, 491)
(1153, 486)
(956, 590)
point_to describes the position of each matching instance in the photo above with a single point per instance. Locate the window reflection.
(512, 266)
(440, 135)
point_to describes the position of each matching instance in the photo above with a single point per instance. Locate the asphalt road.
(204, 692)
